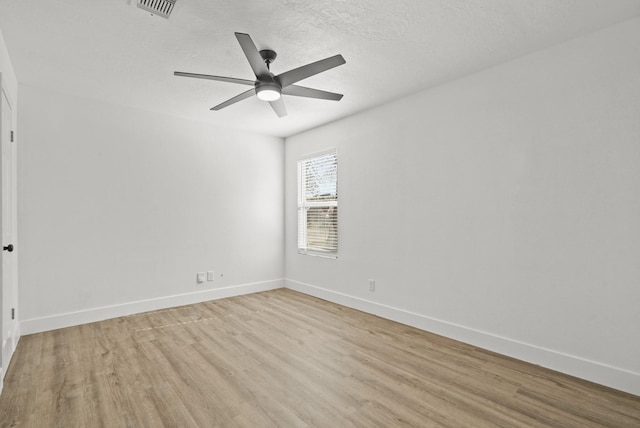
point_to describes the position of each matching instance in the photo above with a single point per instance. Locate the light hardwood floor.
(283, 359)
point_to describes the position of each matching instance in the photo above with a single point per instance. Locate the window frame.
(303, 206)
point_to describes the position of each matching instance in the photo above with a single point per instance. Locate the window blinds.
(318, 204)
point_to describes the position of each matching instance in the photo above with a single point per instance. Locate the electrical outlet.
(372, 285)
(210, 275)
(200, 277)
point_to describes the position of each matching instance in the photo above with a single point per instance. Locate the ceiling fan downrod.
(268, 56)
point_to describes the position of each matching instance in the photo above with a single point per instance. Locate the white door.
(8, 284)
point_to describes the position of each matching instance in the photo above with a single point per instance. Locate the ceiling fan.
(269, 87)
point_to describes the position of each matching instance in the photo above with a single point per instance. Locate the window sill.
(314, 254)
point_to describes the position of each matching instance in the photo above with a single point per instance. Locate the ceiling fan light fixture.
(268, 92)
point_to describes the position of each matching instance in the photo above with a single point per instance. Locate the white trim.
(593, 371)
(53, 322)
(317, 253)
(11, 342)
(318, 154)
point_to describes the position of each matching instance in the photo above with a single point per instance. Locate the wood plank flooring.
(284, 359)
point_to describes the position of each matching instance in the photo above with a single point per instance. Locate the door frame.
(9, 331)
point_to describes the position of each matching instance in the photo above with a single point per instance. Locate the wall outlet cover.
(200, 277)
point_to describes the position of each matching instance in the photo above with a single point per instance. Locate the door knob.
(8, 248)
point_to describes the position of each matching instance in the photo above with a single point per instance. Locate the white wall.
(119, 208)
(501, 209)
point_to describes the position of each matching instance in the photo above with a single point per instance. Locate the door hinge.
(12, 136)
(13, 313)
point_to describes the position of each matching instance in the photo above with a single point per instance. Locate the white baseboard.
(53, 322)
(593, 371)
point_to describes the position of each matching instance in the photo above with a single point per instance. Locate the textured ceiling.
(115, 52)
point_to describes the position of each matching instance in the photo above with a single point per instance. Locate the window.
(318, 205)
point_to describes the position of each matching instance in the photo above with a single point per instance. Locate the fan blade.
(301, 91)
(278, 107)
(253, 56)
(219, 78)
(235, 99)
(292, 76)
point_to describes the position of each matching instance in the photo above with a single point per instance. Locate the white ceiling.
(115, 52)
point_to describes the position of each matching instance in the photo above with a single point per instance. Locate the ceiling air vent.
(161, 8)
